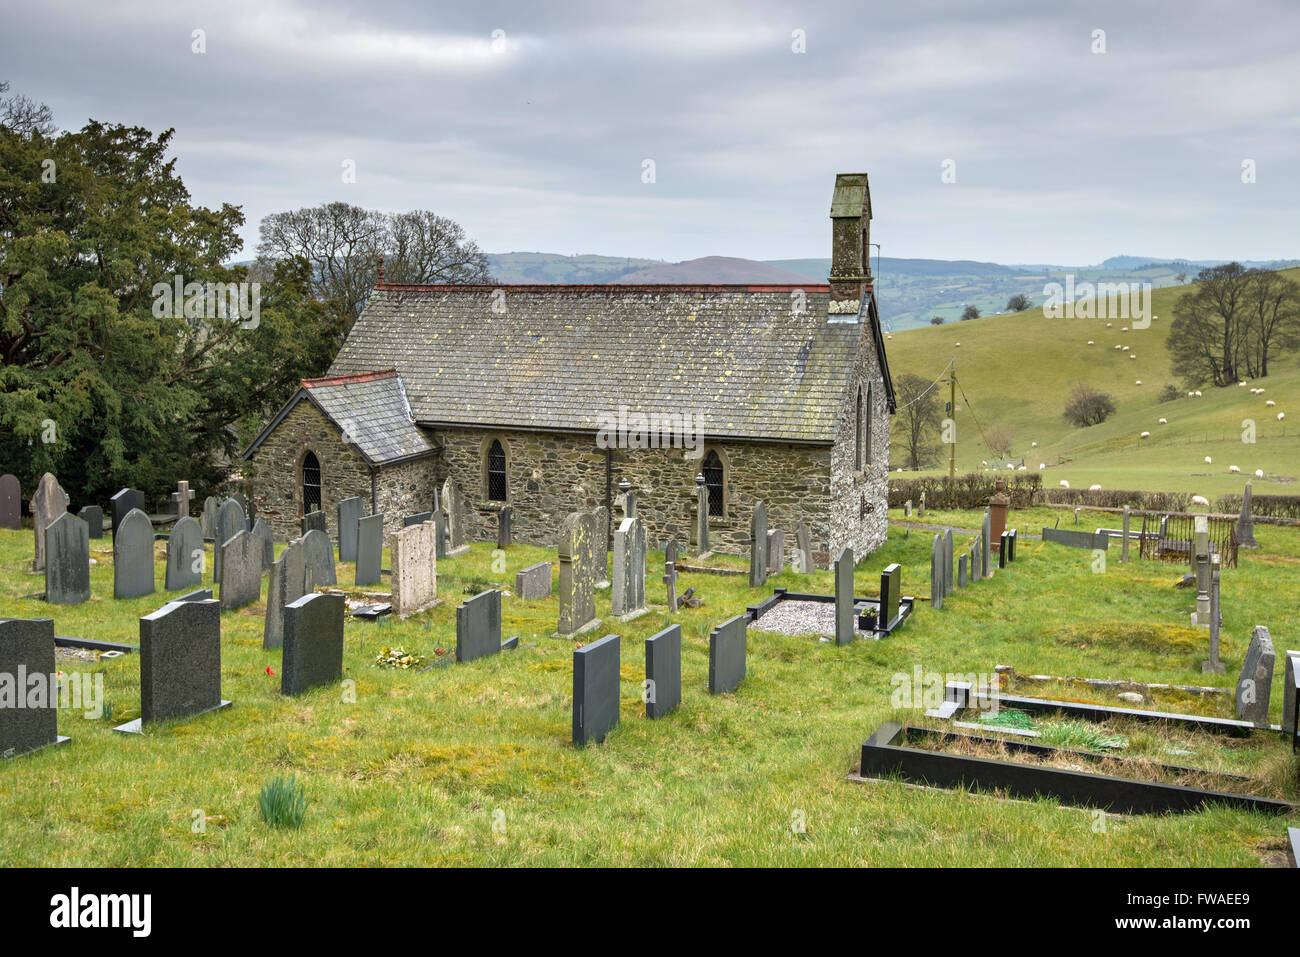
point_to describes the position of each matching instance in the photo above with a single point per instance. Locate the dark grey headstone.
(663, 672)
(803, 540)
(1004, 550)
(775, 551)
(122, 503)
(961, 571)
(419, 518)
(595, 689)
(318, 557)
(627, 592)
(1289, 711)
(350, 512)
(185, 555)
(208, 518)
(844, 629)
(133, 556)
(11, 502)
(727, 654)
(313, 643)
(936, 573)
(231, 520)
(67, 561)
(180, 663)
(478, 626)
(1012, 538)
(758, 545)
(315, 520)
(534, 582)
(27, 649)
(505, 535)
(370, 549)
(1073, 539)
(986, 534)
(49, 501)
(1255, 685)
(440, 533)
(891, 584)
(241, 572)
(948, 587)
(671, 551)
(287, 583)
(93, 516)
(262, 532)
(203, 594)
(244, 507)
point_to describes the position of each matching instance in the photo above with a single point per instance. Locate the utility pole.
(952, 446)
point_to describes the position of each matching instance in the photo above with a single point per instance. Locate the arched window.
(310, 483)
(496, 472)
(713, 479)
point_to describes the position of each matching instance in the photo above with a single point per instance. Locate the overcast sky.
(537, 140)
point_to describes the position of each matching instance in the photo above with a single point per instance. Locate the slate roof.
(554, 357)
(371, 412)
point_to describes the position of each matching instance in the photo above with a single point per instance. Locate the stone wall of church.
(402, 490)
(550, 475)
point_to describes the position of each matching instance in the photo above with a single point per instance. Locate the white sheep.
(1209, 461)
(1064, 484)
(1233, 469)
(1269, 403)
(1281, 416)
(1164, 421)
(1259, 473)
(1200, 500)
(1094, 488)
(1145, 435)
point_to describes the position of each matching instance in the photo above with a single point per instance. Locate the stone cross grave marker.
(1213, 665)
(727, 655)
(627, 597)
(313, 643)
(180, 663)
(578, 572)
(133, 556)
(286, 585)
(845, 630)
(122, 503)
(182, 497)
(534, 582)
(758, 545)
(595, 689)
(370, 550)
(663, 672)
(67, 561)
(241, 572)
(670, 585)
(49, 501)
(11, 502)
(27, 647)
(185, 555)
(478, 626)
(93, 516)
(350, 512)
(414, 557)
(1255, 684)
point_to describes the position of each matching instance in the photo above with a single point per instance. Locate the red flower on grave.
(439, 651)
(269, 671)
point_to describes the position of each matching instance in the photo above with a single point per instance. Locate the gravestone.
(49, 501)
(67, 561)
(602, 543)
(202, 594)
(262, 532)
(93, 516)
(122, 503)
(180, 663)
(534, 582)
(670, 584)
(936, 573)
(758, 545)
(1255, 684)
(414, 557)
(505, 537)
(318, 555)
(844, 627)
(417, 518)
(578, 549)
(27, 648)
(663, 672)
(627, 597)
(241, 572)
(595, 689)
(986, 531)
(961, 571)
(1123, 555)
(184, 555)
(948, 587)
(181, 499)
(1201, 566)
(1289, 715)
(671, 551)
(1213, 665)
(286, 585)
(244, 507)
(1246, 521)
(440, 530)
(133, 556)
(208, 520)
(11, 502)
(891, 585)
(453, 501)
(701, 516)
(803, 540)
(627, 498)
(1004, 549)
(1073, 539)
(230, 521)
(727, 655)
(775, 551)
(370, 550)
(478, 626)
(315, 520)
(313, 643)
(1012, 539)
(350, 512)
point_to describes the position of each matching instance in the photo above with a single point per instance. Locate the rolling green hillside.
(1017, 370)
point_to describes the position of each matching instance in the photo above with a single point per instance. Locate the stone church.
(546, 397)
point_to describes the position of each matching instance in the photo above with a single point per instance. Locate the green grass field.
(1018, 370)
(419, 769)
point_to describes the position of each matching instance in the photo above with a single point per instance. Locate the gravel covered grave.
(793, 617)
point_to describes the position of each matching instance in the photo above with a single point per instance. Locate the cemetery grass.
(421, 766)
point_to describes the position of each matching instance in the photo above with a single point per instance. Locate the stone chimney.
(850, 242)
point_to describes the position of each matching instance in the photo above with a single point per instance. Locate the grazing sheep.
(1145, 435)
(1259, 473)
(1281, 416)
(1164, 421)
(1200, 500)
(1094, 488)
(1269, 403)
(1233, 469)
(1064, 484)
(1209, 461)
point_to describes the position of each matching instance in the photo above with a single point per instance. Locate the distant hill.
(524, 267)
(716, 269)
